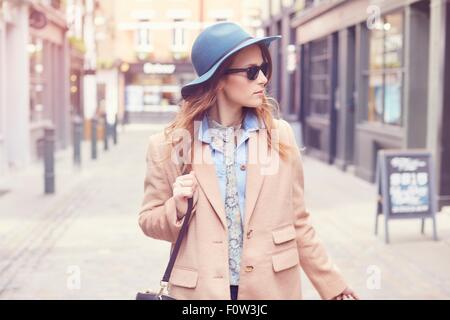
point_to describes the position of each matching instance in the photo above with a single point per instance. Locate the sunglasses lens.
(265, 68)
(252, 72)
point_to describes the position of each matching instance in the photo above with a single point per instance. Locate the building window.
(265, 9)
(319, 77)
(275, 7)
(143, 40)
(385, 74)
(291, 66)
(178, 34)
(37, 81)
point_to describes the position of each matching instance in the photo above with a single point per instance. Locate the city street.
(363, 84)
(84, 242)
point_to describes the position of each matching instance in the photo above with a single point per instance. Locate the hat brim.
(187, 88)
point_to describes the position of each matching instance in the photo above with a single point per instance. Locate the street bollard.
(114, 130)
(94, 138)
(105, 132)
(77, 138)
(49, 160)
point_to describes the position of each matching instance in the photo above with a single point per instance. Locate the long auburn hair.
(203, 96)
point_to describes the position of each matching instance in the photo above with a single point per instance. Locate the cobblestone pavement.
(84, 242)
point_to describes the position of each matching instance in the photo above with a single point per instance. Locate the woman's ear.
(221, 84)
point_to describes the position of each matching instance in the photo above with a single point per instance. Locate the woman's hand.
(184, 188)
(346, 294)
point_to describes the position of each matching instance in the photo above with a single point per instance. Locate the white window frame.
(179, 36)
(143, 37)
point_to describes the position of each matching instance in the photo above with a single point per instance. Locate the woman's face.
(236, 87)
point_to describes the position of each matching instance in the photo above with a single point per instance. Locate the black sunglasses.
(252, 72)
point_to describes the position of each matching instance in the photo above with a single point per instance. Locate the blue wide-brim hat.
(213, 45)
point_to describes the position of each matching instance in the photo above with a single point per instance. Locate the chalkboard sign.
(405, 184)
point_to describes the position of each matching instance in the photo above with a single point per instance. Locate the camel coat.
(279, 240)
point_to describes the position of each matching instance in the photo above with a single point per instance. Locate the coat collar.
(249, 124)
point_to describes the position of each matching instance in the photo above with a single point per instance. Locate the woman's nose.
(261, 78)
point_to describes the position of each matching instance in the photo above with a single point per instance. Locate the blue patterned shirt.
(249, 124)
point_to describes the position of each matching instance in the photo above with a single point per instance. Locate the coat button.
(249, 268)
(249, 234)
(243, 167)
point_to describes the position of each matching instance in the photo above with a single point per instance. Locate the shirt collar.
(249, 124)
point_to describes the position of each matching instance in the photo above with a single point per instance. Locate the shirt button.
(243, 167)
(249, 268)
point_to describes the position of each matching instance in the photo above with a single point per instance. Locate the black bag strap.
(181, 235)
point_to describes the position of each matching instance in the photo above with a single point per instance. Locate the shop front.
(363, 86)
(443, 128)
(49, 78)
(155, 87)
(381, 90)
(375, 75)
(14, 101)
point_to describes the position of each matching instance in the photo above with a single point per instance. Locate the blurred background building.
(34, 79)
(144, 48)
(125, 60)
(369, 75)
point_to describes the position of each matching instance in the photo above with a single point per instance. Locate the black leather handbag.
(151, 295)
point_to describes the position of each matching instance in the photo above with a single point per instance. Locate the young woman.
(249, 234)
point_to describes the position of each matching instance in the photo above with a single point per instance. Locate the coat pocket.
(283, 234)
(184, 277)
(285, 259)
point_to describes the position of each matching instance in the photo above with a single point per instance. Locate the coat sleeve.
(158, 214)
(318, 266)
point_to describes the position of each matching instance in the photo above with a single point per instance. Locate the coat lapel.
(254, 177)
(205, 172)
